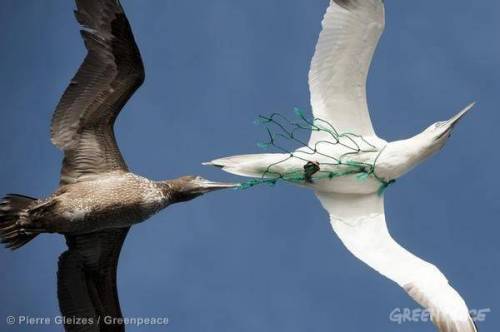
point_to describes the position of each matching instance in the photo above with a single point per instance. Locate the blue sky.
(264, 259)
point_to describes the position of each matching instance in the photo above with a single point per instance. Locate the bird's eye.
(439, 124)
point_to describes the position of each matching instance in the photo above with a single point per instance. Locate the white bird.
(337, 79)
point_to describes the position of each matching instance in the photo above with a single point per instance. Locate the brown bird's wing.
(82, 125)
(86, 280)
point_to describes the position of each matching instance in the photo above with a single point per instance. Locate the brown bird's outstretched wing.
(86, 281)
(82, 125)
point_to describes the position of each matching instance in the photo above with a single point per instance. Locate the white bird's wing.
(339, 68)
(359, 221)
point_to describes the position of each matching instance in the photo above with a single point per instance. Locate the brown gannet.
(348, 165)
(98, 198)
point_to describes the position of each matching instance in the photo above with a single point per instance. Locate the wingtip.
(473, 325)
(346, 4)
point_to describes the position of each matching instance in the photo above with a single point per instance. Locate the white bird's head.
(401, 156)
(437, 134)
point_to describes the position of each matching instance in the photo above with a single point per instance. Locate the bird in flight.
(346, 163)
(98, 198)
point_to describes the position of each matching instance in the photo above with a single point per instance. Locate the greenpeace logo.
(416, 315)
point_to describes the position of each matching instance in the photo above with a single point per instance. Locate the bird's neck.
(174, 191)
(399, 157)
(167, 188)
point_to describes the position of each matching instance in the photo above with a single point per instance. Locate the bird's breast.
(345, 169)
(347, 184)
(109, 203)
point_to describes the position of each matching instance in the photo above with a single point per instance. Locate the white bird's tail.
(255, 165)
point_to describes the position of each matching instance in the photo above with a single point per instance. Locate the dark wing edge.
(111, 72)
(86, 279)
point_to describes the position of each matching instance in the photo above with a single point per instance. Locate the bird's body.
(347, 164)
(274, 164)
(387, 161)
(98, 198)
(113, 200)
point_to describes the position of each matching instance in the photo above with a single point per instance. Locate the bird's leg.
(311, 168)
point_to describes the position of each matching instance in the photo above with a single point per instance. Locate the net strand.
(279, 128)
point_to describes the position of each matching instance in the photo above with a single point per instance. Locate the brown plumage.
(98, 198)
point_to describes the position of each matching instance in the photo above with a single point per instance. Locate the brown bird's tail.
(13, 209)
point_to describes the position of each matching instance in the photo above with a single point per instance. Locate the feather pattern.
(82, 125)
(87, 278)
(339, 68)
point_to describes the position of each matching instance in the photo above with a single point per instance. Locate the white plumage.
(337, 79)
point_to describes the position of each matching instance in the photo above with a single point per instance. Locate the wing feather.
(86, 279)
(82, 125)
(359, 221)
(339, 68)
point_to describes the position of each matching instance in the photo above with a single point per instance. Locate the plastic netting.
(284, 133)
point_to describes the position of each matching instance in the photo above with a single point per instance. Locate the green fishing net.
(284, 135)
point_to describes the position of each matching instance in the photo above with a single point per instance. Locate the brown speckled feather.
(82, 124)
(98, 198)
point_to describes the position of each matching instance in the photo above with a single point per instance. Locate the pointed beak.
(454, 120)
(451, 123)
(208, 186)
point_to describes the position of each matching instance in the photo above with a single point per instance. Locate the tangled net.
(283, 132)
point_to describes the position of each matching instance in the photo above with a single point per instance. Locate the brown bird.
(98, 198)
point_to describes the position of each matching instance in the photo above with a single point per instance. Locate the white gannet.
(98, 198)
(337, 80)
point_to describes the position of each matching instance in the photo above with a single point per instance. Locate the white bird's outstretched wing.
(339, 68)
(359, 221)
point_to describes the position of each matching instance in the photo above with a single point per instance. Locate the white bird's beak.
(448, 126)
(454, 120)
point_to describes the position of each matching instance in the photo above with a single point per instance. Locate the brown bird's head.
(188, 187)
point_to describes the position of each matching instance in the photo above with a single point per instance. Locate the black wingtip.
(347, 4)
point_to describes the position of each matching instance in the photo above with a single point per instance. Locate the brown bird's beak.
(207, 185)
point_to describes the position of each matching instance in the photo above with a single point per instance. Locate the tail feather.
(253, 165)
(13, 208)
